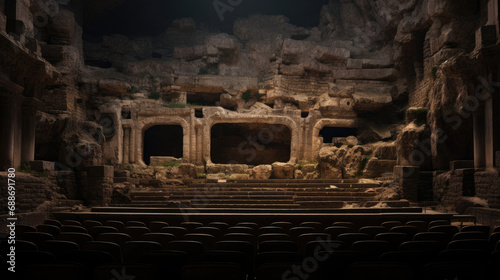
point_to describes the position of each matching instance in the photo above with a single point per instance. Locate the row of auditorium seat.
(246, 250)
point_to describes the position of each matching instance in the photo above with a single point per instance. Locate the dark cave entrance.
(250, 143)
(329, 133)
(163, 140)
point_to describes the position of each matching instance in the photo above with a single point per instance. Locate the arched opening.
(163, 140)
(329, 133)
(250, 143)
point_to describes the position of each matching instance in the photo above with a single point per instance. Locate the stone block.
(104, 171)
(3, 22)
(404, 172)
(461, 164)
(155, 161)
(283, 170)
(122, 173)
(236, 177)
(262, 172)
(40, 165)
(486, 36)
(377, 167)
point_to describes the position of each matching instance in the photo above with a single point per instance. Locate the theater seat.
(136, 272)
(213, 271)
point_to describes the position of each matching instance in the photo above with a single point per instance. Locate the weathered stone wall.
(487, 185)
(31, 192)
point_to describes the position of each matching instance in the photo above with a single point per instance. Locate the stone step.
(333, 198)
(242, 201)
(266, 197)
(294, 181)
(273, 195)
(275, 192)
(285, 186)
(149, 198)
(153, 212)
(323, 204)
(236, 206)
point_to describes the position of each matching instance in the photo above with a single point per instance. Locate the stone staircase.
(264, 194)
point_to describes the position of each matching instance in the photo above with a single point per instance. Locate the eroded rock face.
(283, 170)
(262, 172)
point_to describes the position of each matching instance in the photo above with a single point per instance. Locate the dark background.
(135, 18)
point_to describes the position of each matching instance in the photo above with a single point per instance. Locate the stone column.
(132, 145)
(7, 136)
(126, 144)
(28, 130)
(479, 138)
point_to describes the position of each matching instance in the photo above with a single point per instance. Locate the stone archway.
(163, 140)
(250, 143)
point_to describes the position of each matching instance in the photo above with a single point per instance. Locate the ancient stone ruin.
(385, 105)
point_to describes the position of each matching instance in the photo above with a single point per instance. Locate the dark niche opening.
(163, 140)
(328, 133)
(250, 143)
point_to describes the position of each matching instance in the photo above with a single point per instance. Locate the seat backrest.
(88, 224)
(481, 228)
(118, 238)
(240, 237)
(53, 223)
(296, 231)
(350, 238)
(379, 270)
(166, 262)
(471, 235)
(132, 250)
(213, 271)
(194, 249)
(78, 238)
(36, 237)
(408, 230)
(215, 232)
(162, 238)
(438, 223)
(135, 224)
(136, 272)
(156, 226)
(136, 233)
(273, 236)
(316, 225)
(390, 224)
(54, 272)
(20, 229)
(284, 225)
(241, 229)
(109, 247)
(59, 247)
(207, 240)
(50, 229)
(277, 257)
(270, 229)
(373, 230)
(472, 244)
(335, 231)
(97, 230)
(344, 224)
(427, 246)
(191, 225)
(179, 232)
(120, 226)
(71, 223)
(277, 245)
(71, 228)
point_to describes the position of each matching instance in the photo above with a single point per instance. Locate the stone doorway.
(163, 140)
(250, 143)
(329, 133)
